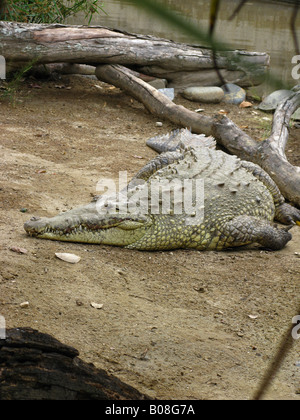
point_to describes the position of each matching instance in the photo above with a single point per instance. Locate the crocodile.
(205, 199)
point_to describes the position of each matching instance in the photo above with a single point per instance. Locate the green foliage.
(48, 11)
(9, 88)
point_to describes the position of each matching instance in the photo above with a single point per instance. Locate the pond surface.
(260, 26)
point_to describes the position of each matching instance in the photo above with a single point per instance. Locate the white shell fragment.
(70, 258)
(97, 305)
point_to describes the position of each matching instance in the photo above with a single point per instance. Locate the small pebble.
(24, 304)
(159, 124)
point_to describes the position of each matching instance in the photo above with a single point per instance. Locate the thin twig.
(293, 28)
(238, 8)
(214, 10)
(285, 345)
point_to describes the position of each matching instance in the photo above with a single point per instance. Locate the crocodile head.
(86, 224)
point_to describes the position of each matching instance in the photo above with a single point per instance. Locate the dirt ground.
(175, 325)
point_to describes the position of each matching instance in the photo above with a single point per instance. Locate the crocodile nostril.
(35, 219)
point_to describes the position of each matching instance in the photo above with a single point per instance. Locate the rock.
(271, 102)
(296, 115)
(205, 94)
(18, 250)
(168, 92)
(158, 83)
(234, 94)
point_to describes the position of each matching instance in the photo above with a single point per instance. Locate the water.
(260, 26)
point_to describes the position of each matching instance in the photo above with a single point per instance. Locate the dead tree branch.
(181, 64)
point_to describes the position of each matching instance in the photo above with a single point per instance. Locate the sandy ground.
(175, 325)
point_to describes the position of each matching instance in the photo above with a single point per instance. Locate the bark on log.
(35, 366)
(272, 151)
(181, 64)
(267, 154)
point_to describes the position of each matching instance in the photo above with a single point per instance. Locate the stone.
(168, 92)
(296, 115)
(158, 83)
(271, 102)
(205, 94)
(234, 94)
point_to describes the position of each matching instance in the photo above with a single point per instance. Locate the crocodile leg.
(245, 230)
(287, 214)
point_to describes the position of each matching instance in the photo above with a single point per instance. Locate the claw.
(288, 214)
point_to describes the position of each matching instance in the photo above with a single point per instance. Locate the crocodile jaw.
(86, 225)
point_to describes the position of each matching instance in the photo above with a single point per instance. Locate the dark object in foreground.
(36, 366)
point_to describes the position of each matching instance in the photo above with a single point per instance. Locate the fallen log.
(269, 154)
(36, 366)
(181, 64)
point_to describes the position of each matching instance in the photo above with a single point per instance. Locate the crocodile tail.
(180, 139)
